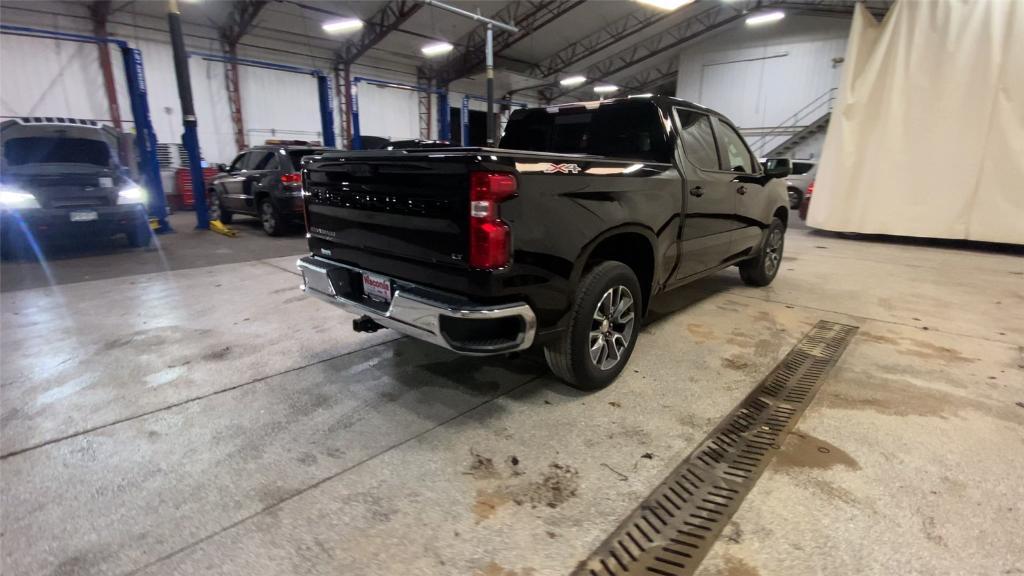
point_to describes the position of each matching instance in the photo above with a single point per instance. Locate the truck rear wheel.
(603, 328)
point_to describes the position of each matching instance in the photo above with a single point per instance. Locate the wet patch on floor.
(860, 390)
(802, 450)
(701, 333)
(495, 569)
(736, 566)
(918, 348)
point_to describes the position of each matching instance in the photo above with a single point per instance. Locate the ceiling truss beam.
(714, 17)
(385, 21)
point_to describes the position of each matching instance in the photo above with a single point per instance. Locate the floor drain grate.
(673, 529)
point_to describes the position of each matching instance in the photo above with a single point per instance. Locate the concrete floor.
(185, 248)
(211, 420)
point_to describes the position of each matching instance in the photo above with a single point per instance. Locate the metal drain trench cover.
(674, 528)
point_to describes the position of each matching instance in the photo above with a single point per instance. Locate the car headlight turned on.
(131, 195)
(14, 199)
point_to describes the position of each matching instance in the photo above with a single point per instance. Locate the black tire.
(762, 269)
(795, 197)
(271, 219)
(217, 209)
(570, 356)
(140, 235)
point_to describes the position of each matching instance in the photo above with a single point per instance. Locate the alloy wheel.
(267, 217)
(612, 327)
(773, 252)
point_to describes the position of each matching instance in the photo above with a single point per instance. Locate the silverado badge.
(562, 169)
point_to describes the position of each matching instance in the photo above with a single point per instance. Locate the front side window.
(698, 138)
(736, 157)
(239, 164)
(258, 159)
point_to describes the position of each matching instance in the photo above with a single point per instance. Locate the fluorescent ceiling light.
(573, 80)
(436, 49)
(344, 25)
(668, 5)
(605, 89)
(765, 18)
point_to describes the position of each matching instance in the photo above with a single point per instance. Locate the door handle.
(696, 191)
(741, 190)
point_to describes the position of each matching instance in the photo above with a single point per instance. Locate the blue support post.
(464, 120)
(145, 138)
(444, 124)
(353, 106)
(323, 85)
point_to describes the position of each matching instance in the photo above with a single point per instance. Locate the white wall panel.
(51, 78)
(279, 104)
(760, 76)
(389, 112)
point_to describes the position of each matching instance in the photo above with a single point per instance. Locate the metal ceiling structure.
(624, 42)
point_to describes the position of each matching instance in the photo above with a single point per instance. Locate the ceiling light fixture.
(436, 49)
(344, 25)
(605, 89)
(765, 18)
(667, 5)
(572, 81)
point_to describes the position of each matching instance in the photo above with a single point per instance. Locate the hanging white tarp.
(927, 137)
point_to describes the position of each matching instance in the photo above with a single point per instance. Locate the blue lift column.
(145, 138)
(444, 116)
(323, 84)
(190, 139)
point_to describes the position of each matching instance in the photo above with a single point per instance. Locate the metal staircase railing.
(820, 105)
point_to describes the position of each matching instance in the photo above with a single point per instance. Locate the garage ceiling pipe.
(491, 24)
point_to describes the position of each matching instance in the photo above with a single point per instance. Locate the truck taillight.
(810, 189)
(291, 178)
(490, 243)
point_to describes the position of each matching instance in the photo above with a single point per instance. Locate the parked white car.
(801, 174)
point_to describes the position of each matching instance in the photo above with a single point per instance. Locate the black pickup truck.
(559, 238)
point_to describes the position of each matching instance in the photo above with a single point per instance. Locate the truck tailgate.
(409, 206)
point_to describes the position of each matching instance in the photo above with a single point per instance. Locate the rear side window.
(698, 139)
(801, 168)
(736, 157)
(627, 130)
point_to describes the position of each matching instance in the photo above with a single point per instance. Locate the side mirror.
(222, 168)
(777, 171)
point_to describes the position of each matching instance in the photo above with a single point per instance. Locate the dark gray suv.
(263, 181)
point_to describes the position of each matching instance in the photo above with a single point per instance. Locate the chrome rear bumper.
(429, 315)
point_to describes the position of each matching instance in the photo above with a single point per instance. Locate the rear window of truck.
(627, 130)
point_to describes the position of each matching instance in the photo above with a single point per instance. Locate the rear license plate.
(377, 287)
(84, 215)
